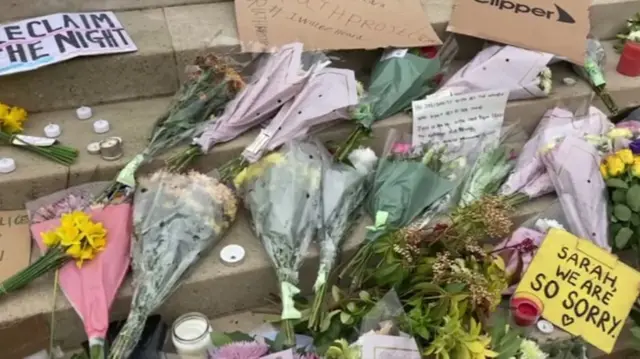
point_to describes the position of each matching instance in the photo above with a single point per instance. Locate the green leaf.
(278, 344)
(616, 183)
(346, 318)
(428, 288)
(364, 296)
(238, 336)
(336, 293)
(619, 196)
(219, 339)
(352, 307)
(622, 212)
(635, 219)
(386, 271)
(454, 288)
(635, 331)
(622, 237)
(633, 198)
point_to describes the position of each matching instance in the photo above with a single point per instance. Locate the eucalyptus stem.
(178, 162)
(315, 317)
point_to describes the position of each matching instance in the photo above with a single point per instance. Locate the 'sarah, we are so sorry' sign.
(559, 27)
(584, 289)
(29, 44)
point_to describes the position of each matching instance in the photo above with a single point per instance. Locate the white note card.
(453, 120)
(375, 346)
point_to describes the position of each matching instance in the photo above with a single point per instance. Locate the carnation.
(240, 350)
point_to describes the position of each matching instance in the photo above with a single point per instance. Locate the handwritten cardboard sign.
(560, 26)
(29, 44)
(333, 24)
(15, 242)
(454, 120)
(584, 290)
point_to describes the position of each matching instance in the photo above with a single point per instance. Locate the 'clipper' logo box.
(519, 8)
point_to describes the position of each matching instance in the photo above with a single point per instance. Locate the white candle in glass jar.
(191, 336)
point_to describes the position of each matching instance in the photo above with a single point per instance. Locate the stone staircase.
(132, 90)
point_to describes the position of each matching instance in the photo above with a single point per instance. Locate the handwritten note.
(584, 289)
(15, 242)
(333, 24)
(454, 120)
(375, 346)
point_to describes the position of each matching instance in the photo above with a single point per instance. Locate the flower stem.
(354, 138)
(53, 258)
(178, 162)
(289, 333)
(315, 318)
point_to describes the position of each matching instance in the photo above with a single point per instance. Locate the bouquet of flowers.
(11, 126)
(279, 77)
(285, 202)
(341, 201)
(211, 84)
(529, 178)
(573, 167)
(176, 218)
(525, 73)
(407, 182)
(621, 171)
(400, 77)
(91, 289)
(65, 232)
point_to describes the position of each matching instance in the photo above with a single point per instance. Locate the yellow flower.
(256, 169)
(603, 171)
(50, 239)
(12, 122)
(615, 165)
(81, 237)
(4, 111)
(635, 169)
(620, 132)
(626, 156)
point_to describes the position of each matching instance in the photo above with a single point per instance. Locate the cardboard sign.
(333, 24)
(29, 44)
(560, 26)
(15, 242)
(585, 290)
(459, 119)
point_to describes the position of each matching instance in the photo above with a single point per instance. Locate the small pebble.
(569, 81)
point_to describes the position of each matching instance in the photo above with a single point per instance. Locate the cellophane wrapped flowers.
(342, 197)
(283, 193)
(176, 218)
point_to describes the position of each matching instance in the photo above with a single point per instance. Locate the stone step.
(169, 38)
(212, 288)
(133, 120)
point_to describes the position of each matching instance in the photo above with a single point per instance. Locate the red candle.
(526, 311)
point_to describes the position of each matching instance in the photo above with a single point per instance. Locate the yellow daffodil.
(80, 238)
(620, 133)
(615, 166)
(4, 111)
(12, 122)
(603, 171)
(626, 156)
(50, 239)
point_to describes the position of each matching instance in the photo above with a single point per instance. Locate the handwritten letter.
(456, 119)
(15, 242)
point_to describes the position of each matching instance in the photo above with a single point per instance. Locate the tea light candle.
(191, 336)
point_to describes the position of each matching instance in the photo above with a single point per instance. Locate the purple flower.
(307, 356)
(634, 146)
(240, 350)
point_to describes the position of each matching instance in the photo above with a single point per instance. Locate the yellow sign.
(584, 289)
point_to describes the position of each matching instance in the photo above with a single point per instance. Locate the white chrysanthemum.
(634, 36)
(363, 159)
(545, 81)
(545, 224)
(530, 350)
